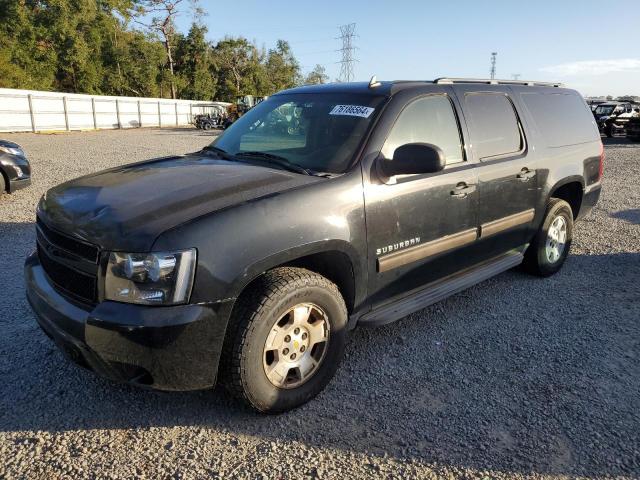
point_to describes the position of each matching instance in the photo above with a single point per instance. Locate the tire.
(260, 317)
(540, 258)
(4, 184)
(610, 131)
(206, 126)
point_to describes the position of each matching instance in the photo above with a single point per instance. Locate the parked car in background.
(249, 261)
(612, 117)
(15, 171)
(213, 118)
(633, 129)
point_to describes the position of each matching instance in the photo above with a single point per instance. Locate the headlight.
(158, 278)
(12, 150)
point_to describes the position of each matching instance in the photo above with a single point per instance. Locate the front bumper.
(18, 184)
(166, 348)
(16, 169)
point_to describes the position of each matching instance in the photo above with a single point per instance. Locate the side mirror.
(413, 158)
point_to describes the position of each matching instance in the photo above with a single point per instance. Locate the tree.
(162, 23)
(90, 46)
(316, 76)
(282, 67)
(195, 65)
(27, 59)
(236, 61)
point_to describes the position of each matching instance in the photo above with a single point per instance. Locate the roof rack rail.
(492, 81)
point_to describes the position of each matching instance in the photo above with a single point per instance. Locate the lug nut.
(304, 336)
(296, 331)
(302, 348)
(287, 339)
(293, 356)
(285, 351)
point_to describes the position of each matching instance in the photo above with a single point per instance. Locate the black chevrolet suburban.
(249, 261)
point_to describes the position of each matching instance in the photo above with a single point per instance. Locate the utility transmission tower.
(493, 64)
(347, 34)
(515, 76)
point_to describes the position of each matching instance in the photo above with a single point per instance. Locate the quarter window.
(427, 120)
(493, 124)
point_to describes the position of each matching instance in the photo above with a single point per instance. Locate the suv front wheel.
(550, 246)
(285, 339)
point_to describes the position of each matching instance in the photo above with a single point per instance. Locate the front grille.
(70, 264)
(69, 280)
(77, 247)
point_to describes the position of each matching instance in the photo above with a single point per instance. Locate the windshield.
(605, 109)
(318, 132)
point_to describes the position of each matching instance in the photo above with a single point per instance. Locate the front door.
(421, 227)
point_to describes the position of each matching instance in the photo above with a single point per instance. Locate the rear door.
(507, 170)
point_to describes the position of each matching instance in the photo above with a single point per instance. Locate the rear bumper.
(166, 348)
(589, 199)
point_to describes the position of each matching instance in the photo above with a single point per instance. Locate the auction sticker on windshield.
(352, 111)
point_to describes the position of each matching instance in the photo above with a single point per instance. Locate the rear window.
(561, 118)
(493, 124)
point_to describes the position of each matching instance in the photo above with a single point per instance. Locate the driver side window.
(429, 119)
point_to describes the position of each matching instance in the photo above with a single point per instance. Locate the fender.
(237, 244)
(570, 179)
(253, 271)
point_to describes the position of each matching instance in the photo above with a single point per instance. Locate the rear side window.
(427, 120)
(493, 124)
(561, 118)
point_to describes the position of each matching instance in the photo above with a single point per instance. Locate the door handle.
(525, 174)
(462, 190)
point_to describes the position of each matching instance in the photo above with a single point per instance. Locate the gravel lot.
(517, 377)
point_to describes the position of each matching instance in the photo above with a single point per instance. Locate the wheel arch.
(571, 190)
(335, 260)
(6, 181)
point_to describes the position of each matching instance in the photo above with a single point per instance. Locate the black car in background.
(633, 129)
(612, 117)
(15, 171)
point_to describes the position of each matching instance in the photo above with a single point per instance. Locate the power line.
(493, 64)
(347, 34)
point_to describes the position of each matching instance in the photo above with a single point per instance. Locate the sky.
(592, 46)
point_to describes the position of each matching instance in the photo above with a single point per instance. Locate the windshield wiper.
(274, 159)
(220, 152)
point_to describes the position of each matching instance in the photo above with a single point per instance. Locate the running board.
(439, 290)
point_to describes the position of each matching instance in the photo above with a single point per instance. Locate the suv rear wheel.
(285, 340)
(549, 249)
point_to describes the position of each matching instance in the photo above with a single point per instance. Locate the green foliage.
(316, 76)
(89, 46)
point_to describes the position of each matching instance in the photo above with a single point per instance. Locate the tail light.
(601, 166)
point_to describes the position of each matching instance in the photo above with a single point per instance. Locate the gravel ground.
(518, 377)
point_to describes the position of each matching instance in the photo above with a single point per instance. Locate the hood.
(126, 208)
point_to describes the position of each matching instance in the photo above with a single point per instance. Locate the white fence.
(33, 111)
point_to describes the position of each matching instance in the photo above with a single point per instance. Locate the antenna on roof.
(374, 83)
